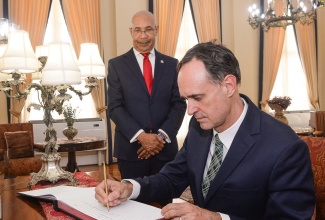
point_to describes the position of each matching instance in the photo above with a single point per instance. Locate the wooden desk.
(79, 144)
(14, 207)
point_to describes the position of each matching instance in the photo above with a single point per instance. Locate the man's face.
(208, 101)
(143, 33)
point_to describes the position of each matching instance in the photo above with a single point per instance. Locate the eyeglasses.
(147, 31)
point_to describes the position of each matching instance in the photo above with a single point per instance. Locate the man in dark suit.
(147, 117)
(239, 162)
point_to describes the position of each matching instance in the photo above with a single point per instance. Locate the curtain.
(83, 21)
(273, 44)
(168, 14)
(207, 19)
(306, 38)
(31, 16)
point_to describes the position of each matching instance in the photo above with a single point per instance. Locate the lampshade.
(5, 76)
(3, 47)
(90, 62)
(61, 67)
(3, 29)
(19, 55)
(41, 51)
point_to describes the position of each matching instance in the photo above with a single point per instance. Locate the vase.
(278, 112)
(70, 132)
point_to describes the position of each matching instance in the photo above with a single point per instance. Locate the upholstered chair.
(316, 147)
(16, 150)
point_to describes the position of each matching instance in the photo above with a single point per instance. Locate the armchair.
(16, 150)
(316, 147)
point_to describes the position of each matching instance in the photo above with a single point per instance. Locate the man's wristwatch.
(161, 136)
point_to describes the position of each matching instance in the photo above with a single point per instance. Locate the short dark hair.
(218, 60)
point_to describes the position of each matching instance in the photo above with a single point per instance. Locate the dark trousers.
(135, 169)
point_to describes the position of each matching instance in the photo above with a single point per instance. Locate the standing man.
(144, 103)
(240, 162)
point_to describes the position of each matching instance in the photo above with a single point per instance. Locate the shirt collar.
(228, 135)
(137, 53)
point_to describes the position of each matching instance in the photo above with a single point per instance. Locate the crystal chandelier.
(292, 12)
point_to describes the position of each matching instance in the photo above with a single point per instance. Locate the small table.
(78, 144)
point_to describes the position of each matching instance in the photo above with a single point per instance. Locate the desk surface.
(13, 207)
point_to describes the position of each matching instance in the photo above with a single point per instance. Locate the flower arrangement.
(69, 114)
(282, 101)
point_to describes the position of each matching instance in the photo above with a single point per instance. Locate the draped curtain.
(168, 14)
(306, 39)
(31, 16)
(83, 21)
(207, 19)
(273, 45)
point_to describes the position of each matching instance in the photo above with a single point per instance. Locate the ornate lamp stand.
(52, 98)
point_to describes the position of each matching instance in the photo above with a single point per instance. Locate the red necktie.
(147, 71)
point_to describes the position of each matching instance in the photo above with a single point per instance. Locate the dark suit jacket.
(132, 108)
(266, 173)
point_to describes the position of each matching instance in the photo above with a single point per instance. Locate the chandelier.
(292, 12)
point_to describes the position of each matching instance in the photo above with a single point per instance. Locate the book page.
(83, 199)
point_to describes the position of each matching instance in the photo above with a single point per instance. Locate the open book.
(80, 203)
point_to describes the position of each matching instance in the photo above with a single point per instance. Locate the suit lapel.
(158, 72)
(203, 142)
(241, 145)
(135, 70)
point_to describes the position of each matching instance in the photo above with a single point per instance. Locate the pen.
(105, 180)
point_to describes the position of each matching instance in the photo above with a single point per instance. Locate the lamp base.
(51, 171)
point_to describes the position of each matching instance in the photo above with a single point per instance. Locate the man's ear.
(231, 84)
(157, 30)
(130, 29)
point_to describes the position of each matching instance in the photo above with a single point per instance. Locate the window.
(56, 30)
(187, 38)
(291, 79)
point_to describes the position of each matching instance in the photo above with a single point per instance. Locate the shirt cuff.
(224, 216)
(136, 188)
(134, 138)
(166, 135)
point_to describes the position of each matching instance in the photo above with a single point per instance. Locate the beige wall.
(243, 40)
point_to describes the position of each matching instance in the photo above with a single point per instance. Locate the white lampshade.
(90, 62)
(19, 55)
(61, 67)
(42, 51)
(3, 47)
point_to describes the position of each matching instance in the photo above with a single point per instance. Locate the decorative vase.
(278, 112)
(70, 132)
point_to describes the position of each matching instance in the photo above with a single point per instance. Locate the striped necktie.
(214, 166)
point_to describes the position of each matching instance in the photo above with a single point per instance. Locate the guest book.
(80, 202)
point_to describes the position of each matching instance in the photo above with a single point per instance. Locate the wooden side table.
(78, 144)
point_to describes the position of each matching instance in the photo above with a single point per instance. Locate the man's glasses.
(147, 31)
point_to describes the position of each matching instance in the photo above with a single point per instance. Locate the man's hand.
(143, 154)
(118, 192)
(152, 144)
(187, 211)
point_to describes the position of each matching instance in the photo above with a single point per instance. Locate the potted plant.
(70, 114)
(279, 104)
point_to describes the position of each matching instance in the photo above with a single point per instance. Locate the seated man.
(240, 162)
